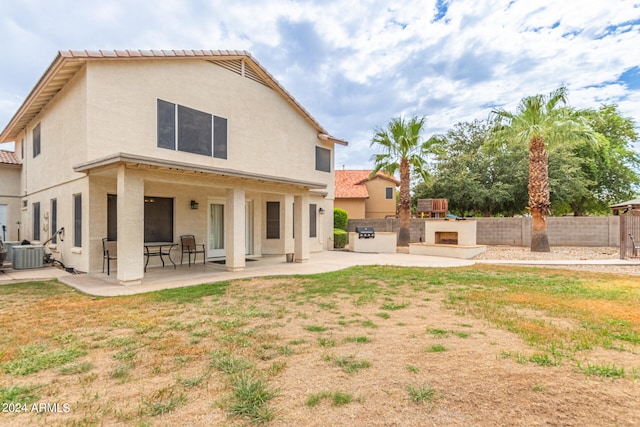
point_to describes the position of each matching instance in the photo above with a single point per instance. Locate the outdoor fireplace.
(446, 237)
(449, 238)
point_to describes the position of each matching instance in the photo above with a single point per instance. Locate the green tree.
(476, 178)
(608, 167)
(401, 149)
(540, 121)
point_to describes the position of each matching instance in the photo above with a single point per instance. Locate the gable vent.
(251, 74)
(234, 66)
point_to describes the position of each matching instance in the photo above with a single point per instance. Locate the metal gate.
(629, 225)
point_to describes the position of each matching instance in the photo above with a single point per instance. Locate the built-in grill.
(365, 232)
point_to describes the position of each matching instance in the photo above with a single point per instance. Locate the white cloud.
(354, 65)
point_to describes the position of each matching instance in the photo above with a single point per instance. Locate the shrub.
(340, 238)
(340, 219)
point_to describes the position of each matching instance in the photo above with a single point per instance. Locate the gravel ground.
(557, 253)
(562, 253)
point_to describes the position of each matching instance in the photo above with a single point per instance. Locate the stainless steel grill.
(365, 232)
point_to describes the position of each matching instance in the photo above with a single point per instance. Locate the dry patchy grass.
(407, 346)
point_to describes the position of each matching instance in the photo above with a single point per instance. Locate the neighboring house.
(364, 197)
(10, 168)
(144, 146)
(630, 206)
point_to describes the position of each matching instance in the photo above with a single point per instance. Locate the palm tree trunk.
(539, 200)
(404, 234)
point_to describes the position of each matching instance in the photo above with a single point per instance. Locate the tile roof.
(9, 157)
(350, 183)
(68, 62)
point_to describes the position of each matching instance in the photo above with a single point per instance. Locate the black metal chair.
(109, 252)
(635, 248)
(189, 246)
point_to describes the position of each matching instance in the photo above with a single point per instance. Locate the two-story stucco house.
(363, 196)
(141, 146)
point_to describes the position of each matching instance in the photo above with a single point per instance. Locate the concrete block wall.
(562, 231)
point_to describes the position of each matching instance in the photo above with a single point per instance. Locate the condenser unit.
(9, 245)
(27, 256)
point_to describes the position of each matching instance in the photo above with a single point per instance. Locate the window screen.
(77, 220)
(389, 193)
(158, 219)
(36, 221)
(166, 125)
(323, 159)
(194, 131)
(112, 217)
(219, 137)
(54, 220)
(36, 140)
(273, 220)
(313, 226)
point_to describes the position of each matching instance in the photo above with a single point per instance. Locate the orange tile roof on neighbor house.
(350, 183)
(9, 157)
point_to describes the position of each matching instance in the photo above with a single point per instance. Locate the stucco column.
(301, 228)
(289, 217)
(130, 227)
(235, 229)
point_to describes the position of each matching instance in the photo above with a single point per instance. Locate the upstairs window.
(186, 129)
(36, 140)
(323, 159)
(389, 193)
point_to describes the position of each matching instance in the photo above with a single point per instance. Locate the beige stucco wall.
(377, 206)
(265, 134)
(10, 197)
(355, 207)
(63, 139)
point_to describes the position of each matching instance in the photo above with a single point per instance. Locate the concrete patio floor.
(158, 278)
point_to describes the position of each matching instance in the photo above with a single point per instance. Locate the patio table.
(158, 249)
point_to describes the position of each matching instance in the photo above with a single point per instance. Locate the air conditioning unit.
(9, 247)
(27, 256)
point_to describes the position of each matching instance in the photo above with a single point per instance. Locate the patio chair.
(189, 246)
(109, 252)
(635, 248)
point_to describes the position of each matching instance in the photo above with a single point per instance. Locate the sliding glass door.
(216, 229)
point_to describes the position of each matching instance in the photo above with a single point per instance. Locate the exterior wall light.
(321, 210)
(194, 204)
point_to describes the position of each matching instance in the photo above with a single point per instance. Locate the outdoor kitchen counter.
(383, 242)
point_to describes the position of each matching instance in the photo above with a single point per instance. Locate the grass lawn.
(481, 345)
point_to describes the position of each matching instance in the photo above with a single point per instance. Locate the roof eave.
(126, 158)
(17, 124)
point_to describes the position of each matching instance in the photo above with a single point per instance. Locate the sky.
(353, 64)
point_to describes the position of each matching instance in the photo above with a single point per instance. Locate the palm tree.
(400, 149)
(541, 121)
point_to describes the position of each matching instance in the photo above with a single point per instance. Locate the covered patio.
(136, 200)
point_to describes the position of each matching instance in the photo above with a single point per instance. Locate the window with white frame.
(389, 193)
